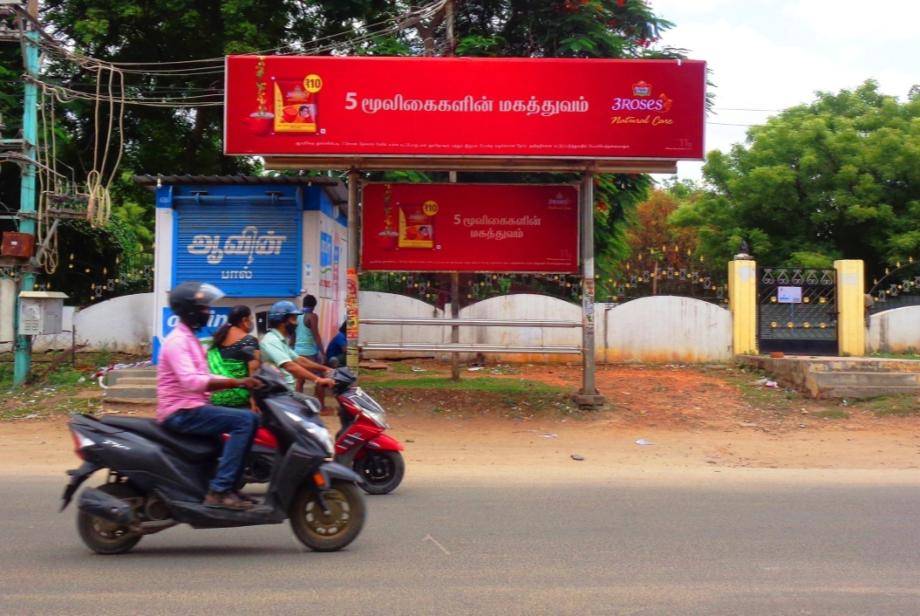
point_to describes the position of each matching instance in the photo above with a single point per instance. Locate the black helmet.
(188, 300)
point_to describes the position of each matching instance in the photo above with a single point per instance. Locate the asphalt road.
(437, 548)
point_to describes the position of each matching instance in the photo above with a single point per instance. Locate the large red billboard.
(470, 228)
(468, 107)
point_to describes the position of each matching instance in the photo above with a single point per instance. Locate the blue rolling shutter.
(246, 249)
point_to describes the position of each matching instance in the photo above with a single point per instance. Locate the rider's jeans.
(208, 420)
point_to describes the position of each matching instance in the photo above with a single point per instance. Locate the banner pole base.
(589, 402)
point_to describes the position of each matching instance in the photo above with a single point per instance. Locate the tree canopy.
(187, 139)
(837, 178)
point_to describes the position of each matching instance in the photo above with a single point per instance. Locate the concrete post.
(588, 397)
(455, 329)
(7, 310)
(742, 303)
(851, 297)
(351, 289)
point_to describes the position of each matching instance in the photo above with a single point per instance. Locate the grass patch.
(55, 386)
(895, 406)
(486, 385)
(907, 355)
(398, 367)
(474, 396)
(773, 398)
(832, 414)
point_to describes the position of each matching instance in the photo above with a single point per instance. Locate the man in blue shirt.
(282, 319)
(338, 346)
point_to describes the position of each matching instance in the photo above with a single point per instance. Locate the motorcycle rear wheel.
(382, 471)
(102, 536)
(328, 533)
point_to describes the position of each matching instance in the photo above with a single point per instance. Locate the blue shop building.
(259, 239)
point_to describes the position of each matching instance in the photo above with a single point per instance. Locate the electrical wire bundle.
(112, 87)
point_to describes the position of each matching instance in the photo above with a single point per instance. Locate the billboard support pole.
(455, 329)
(588, 397)
(351, 298)
(454, 290)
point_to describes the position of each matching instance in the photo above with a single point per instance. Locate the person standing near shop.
(309, 343)
(274, 347)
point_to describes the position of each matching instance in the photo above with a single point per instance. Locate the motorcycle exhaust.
(105, 506)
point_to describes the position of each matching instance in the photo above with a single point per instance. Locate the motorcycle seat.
(195, 449)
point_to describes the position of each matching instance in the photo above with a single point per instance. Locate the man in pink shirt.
(183, 402)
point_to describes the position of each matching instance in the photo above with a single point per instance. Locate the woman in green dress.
(234, 353)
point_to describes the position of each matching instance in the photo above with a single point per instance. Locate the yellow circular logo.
(430, 208)
(313, 83)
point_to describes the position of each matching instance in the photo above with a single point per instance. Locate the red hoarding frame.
(474, 108)
(551, 210)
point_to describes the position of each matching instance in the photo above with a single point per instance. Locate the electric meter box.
(40, 312)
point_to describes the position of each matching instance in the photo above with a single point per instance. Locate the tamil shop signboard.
(470, 228)
(464, 107)
(246, 249)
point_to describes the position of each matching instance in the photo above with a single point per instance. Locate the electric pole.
(23, 344)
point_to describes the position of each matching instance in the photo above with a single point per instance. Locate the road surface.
(724, 546)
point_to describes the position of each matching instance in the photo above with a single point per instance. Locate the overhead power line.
(215, 65)
(731, 124)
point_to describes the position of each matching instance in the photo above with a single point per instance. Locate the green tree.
(837, 178)
(187, 140)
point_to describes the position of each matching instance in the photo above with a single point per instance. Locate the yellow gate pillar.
(742, 302)
(851, 293)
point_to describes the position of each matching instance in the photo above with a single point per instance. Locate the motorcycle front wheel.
(382, 471)
(102, 536)
(327, 532)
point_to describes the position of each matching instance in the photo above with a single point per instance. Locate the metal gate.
(797, 310)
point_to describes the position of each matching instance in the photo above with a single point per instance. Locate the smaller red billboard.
(470, 228)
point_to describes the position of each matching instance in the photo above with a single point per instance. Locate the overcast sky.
(771, 54)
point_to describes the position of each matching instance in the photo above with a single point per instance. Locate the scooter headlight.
(318, 432)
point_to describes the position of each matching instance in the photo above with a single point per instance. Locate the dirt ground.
(662, 419)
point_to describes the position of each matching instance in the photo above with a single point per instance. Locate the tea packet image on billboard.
(295, 107)
(416, 224)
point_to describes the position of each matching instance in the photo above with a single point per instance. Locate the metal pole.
(588, 396)
(351, 297)
(455, 329)
(23, 344)
(452, 178)
(449, 17)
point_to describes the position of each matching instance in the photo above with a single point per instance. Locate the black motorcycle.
(157, 478)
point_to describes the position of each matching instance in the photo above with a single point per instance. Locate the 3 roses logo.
(643, 99)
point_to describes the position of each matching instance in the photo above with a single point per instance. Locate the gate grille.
(797, 310)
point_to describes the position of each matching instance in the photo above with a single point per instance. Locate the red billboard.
(469, 107)
(470, 228)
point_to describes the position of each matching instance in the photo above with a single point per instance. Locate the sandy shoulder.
(489, 450)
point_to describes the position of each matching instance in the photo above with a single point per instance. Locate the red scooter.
(360, 444)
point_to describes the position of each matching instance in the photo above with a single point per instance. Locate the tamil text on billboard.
(468, 107)
(470, 228)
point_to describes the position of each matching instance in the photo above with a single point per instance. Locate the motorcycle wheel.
(328, 533)
(382, 471)
(102, 536)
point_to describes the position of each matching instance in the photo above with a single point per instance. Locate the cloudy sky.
(769, 54)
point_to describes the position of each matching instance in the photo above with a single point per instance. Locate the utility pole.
(449, 18)
(452, 178)
(588, 397)
(352, 289)
(23, 344)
